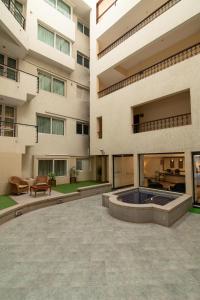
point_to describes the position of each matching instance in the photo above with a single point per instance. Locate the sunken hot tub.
(144, 205)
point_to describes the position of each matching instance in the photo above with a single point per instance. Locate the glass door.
(196, 177)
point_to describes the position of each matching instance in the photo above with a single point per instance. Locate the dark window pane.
(79, 128)
(45, 167)
(86, 31)
(44, 124)
(79, 59)
(60, 167)
(80, 27)
(86, 62)
(85, 129)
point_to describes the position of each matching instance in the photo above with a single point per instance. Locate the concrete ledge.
(164, 215)
(34, 203)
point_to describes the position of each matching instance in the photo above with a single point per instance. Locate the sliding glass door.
(196, 177)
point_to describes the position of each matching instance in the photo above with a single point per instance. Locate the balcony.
(12, 25)
(102, 7)
(137, 27)
(10, 4)
(169, 122)
(14, 137)
(16, 86)
(144, 73)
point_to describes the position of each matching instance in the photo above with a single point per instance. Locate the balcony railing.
(10, 4)
(174, 121)
(99, 3)
(139, 26)
(14, 74)
(10, 129)
(164, 64)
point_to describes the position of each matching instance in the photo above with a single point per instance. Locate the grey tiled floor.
(77, 251)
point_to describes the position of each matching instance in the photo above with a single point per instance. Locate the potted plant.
(73, 175)
(52, 179)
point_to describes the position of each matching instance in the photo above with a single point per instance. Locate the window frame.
(5, 67)
(51, 124)
(55, 34)
(56, 7)
(84, 58)
(3, 118)
(83, 125)
(52, 77)
(83, 28)
(53, 160)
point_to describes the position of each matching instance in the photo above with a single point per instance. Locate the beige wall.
(10, 165)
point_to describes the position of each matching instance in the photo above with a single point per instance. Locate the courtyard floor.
(77, 251)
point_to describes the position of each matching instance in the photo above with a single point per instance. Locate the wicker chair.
(18, 185)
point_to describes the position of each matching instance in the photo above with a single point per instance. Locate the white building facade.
(144, 110)
(44, 89)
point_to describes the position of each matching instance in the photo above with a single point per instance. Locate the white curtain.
(64, 8)
(57, 127)
(45, 36)
(52, 2)
(44, 124)
(58, 87)
(45, 82)
(62, 45)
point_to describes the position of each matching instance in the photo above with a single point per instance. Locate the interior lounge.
(163, 171)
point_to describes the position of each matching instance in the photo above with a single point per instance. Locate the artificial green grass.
(6, 201)
(194, 210)
(72, 187)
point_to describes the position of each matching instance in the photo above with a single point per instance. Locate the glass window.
(80, 27)
(64, 8)
(62, 45)
(86, 62)
(1, 63)
(45, 167)
(57, 126)
(52, 2)
(79, 59)
(85, 129)
(44, 124)
(44, 82)
(86, 31)
(79, 128)
(11, 74)
(58, 87)
(79, 165)
(45, 36)
(60, 167)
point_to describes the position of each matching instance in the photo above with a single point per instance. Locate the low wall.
(20, 209)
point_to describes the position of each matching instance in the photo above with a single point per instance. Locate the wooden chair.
(18, 185)
(41, 180)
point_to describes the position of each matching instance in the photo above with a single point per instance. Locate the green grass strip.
(72, 187)
(6, 201)
(194, 210)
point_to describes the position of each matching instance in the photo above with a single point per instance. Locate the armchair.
(18, 185)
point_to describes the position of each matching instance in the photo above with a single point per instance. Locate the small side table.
(40, 188)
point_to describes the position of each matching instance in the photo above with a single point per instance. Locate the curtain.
(45, 36)
(44, 124)
(57, 126)
(52, 2)
(62, 45)
(60, 167)
(64, 8)
(45, 167)
(58, 87)
(45, 82)
(79, 165)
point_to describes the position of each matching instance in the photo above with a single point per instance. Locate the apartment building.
(144, 109)
(44, 89)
